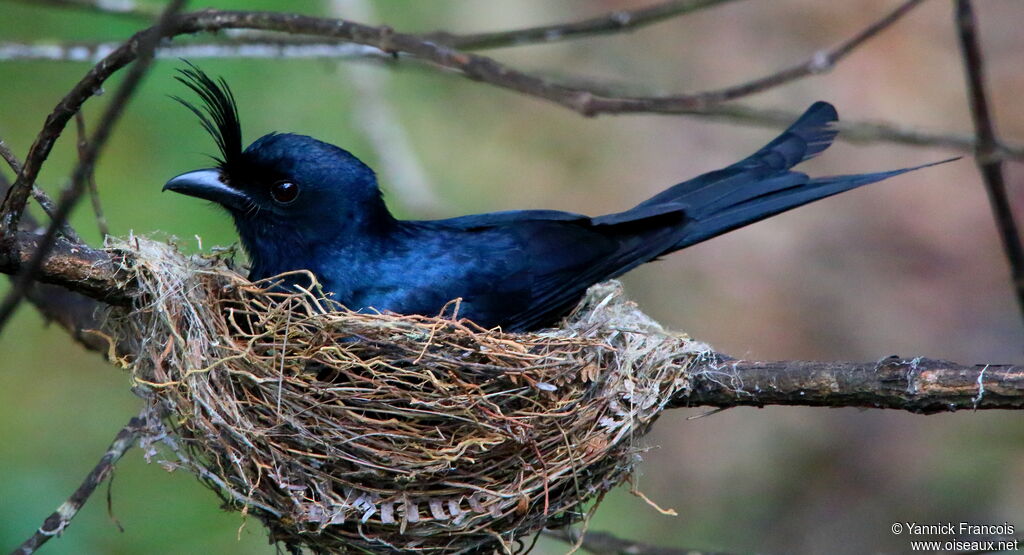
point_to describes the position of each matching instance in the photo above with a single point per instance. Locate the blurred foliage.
(910, 266)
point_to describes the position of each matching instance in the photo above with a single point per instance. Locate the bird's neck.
(303, 247)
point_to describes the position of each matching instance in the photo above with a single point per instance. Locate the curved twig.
(79, 178)
(472, 66)
(987, 152)
(612, 22)
(58, 521)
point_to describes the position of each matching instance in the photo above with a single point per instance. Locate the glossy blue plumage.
(519, 269)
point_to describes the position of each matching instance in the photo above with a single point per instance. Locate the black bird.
(303, 204)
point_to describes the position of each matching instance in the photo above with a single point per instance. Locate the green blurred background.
(911, 266)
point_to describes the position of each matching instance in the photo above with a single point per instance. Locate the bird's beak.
(207, 184)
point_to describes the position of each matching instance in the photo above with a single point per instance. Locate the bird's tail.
(765, 199)
(757, 187)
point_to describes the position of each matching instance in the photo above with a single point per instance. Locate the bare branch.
(919, 385)
(27, 273)
(10, 157)
(612, 22)
(820, 62)
(260, 46)
(255, 46)
(854, 131)
(40, 195)
(79, 315)
(387, 40)
(76, 267)
(987, 155)
(58, 521)
(90, 178)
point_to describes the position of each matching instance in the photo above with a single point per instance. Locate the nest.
(357, 431)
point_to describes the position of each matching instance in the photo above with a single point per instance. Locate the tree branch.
(854, 131)
(260, 46)
(58, 521)
(472, 66)
(612, 22)
(919, 385)
(78, 268)
(90, 177)
(821, 62)
(987, 154)
(721, 382)
(79, 315)
(83, 170)
(44, 200)
(257, 46)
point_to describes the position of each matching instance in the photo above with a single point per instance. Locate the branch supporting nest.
(258, 361)
(367, 431)
(915, 384)
(920, 385)
(273, 384)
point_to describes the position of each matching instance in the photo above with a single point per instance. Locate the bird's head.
(284, 188)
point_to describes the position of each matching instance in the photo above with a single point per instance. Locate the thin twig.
(821, 62)
(919, 385)
(854, 131)
(10, 157)
(44, 200)
(488, 70)
(58, 521)
(122, 8)
(472, 66)
(72, 193)
(612, 22)
(94, 194)
(258, 46)
(77, 314)
(987, 155)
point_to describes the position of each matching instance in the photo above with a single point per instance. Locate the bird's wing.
(497, 219)
(563, 254)
(566, 258)
(558, 255)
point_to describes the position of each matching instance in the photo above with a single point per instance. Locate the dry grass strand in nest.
(349, 431)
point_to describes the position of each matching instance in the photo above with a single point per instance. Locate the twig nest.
(343, 430)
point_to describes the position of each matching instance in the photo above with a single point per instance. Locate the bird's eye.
(284, 192)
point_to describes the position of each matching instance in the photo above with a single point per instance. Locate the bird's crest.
(219, 113)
